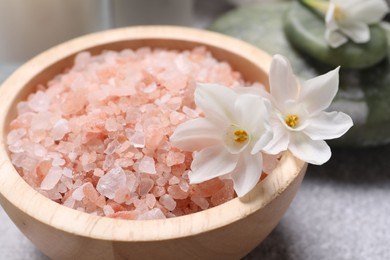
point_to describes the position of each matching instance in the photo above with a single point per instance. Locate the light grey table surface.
(342, 210)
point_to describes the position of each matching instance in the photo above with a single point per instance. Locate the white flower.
(228, 140)
(300, 124)
(351, 19)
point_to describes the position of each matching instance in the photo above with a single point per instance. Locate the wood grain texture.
(228, 231)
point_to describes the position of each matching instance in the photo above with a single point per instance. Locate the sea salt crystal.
(140, 205)
(223, 195)
(53, 195)
(15, 135)
(132, 182)
(183, 64)
(150, 200)
(123, 147)
(25, 161)
(150, 88)
(40, 151)
(122, 194)
(147, 165)
(58, 161)
(23, 107)
(176, 117)
(68, 182)
(82, 59)
(164, 99)
(158, 191)
(108, 162)
(16, 147)
(174, 103)
(67, 172)
(107, 209)
(111, 147)
(98, 172)
(52, 178)
(161, 181)
(111, 181)
(61, 187)
(138, 139)
(191, 113)
(174, 158)
(69, 202)
(40, 121)
(201, 202)
(168, 202)
(138, 155)
(111, 125)
(145, 186)
(72, 156)
(177, 193)
(184, 186)
(60, 129)
(155, 213)
(39, 102)
(78, 194)
(174, 180)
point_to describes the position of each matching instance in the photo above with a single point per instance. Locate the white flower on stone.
(228, 141)
(299, 122)
(351, 19)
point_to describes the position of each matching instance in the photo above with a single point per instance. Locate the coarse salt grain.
(147, 165)
(52, 178)
(168, 202)
(78, 194)
(155, 213)
(111, 181)
(96, 137)
(60, 128)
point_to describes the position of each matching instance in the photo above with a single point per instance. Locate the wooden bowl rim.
(14, 189)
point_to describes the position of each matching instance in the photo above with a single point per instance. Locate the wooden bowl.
(228, 231)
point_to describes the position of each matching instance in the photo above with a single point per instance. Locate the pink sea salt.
(147, 165)
(96, 138)
(111, 182)
(168, 202)
(52, 178)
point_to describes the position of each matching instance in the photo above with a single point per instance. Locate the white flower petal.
(308, 150)
(196, 134)
(263, 140)
(357, 31)
(257, 90)
(325, 125)
(334, 38)
(215, 101)
(251, 112)
(283, 84)
(318, 93)
(329, 17)
(280, 138)
(211, 162)
(367, 11)
(247, 173)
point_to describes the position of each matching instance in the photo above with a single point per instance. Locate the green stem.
(320, 7)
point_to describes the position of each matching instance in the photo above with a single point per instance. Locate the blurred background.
(342, 210)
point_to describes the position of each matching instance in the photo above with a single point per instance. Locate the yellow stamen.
(338, 13)
(292, 120)
(240, 136)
